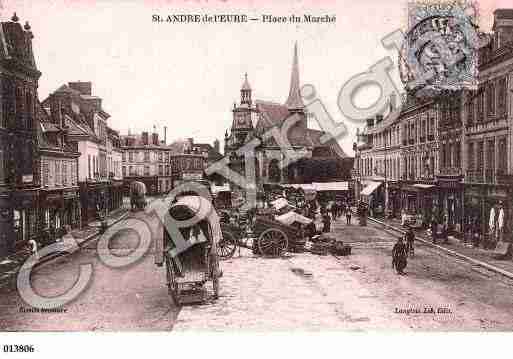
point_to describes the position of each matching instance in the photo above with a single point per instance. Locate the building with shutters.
(488, 124)
(74, 108)
(19, 174)
(148, 160)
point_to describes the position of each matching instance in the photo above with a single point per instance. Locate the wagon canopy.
(189, 207)
(291, 217)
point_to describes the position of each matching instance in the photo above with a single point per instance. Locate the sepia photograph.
(255, 167)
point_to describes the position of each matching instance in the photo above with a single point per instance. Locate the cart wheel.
(226, 246)
(272, 242)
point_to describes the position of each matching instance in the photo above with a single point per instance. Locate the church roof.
(272, 114)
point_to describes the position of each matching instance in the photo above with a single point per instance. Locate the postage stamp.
(440, 51)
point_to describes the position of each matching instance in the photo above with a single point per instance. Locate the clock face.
(241, 121)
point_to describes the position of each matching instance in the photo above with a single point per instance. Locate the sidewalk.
(10, 265)
(458, 246)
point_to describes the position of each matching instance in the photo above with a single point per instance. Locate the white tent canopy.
(291, 217)
(331, 186)
(371, 187)
(281, 203)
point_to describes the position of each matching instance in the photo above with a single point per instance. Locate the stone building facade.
(488, 116)
(148, 160)
(19, 163)
(74, 108)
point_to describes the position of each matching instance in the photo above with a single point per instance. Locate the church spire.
(294, 102)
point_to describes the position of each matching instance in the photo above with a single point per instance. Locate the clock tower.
(242, 126)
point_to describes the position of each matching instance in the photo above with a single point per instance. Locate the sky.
(187, 76)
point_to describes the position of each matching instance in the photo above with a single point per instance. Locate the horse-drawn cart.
(265, 236)
(192, 260)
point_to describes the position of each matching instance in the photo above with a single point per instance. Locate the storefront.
(94, 199)
(24, 217)
(479, 201)
(450, 206)
(419, 198)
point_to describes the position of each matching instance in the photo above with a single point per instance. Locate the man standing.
(410, 239)
(399, 256)
(348, 216)
(334, 210)
(326, 220)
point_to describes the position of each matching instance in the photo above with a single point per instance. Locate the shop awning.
(331, 186)
(370, 188)
(291, 217)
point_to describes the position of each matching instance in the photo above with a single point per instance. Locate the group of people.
(332, 212)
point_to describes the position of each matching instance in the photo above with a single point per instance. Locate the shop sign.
(27, 178)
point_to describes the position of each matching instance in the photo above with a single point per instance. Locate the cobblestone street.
(296, 292)
(359, 292)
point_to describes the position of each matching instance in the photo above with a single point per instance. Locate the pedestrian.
(348, 216)
(334, 209)
(410, 239)
(399, 256)
(476, 230)
(326, 220)
(434, 229)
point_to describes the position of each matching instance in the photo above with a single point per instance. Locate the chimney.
(190, 143)
(379, 118)
(85, 88)
(370, 122)
(165, 135)
(216, 145)
(155, 138)
(144, 138)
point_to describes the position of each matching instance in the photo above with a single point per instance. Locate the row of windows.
(18, 103)
(144, 156)
(450, 155)
(488, 102)
(412, 167)
(58, 172)
(145, 171)
(418, 131)
(482, 154)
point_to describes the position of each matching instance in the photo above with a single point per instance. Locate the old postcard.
(255, 166)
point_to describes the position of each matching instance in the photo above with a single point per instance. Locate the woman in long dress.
(399, 256)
